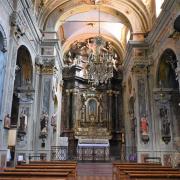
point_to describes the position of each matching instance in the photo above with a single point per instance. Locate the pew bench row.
(40, 171)
(137, 171)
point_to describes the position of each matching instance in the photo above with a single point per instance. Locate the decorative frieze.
(45, 64)
(140, 65)
(47, 70)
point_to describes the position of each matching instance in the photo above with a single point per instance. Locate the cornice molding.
(162, 22)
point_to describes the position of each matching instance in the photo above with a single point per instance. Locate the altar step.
(94, 171)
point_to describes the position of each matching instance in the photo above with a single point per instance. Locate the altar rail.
(92, 153)
(127, 154)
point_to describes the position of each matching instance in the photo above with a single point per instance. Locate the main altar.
(91, 129)
(93, 150)
(91, 115)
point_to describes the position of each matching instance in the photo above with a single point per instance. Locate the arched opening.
(2, 67)
(166, 71)
(169, 97)
(23, 80)
(19, 111)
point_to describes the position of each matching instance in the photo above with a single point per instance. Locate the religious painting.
(7, 122)
(92, 110)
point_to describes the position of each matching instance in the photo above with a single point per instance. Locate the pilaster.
(164, 115)
(142, 111)
(109, 113)
(45, 67)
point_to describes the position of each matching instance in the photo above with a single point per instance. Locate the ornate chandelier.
(100, 64)
(100, 61)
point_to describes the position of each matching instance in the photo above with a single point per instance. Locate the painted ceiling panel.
(94, 22)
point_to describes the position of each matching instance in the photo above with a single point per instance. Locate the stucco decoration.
(80, 51)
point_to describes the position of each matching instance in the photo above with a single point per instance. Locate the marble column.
(67, 108)
(117, 110)
(74, 107)
(109, 104)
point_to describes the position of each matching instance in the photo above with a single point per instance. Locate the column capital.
(110, 92)
(140, 65)
(67, 92)
(116, 93)
(45, 64)
(75, 91)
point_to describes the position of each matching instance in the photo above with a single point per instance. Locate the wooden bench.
(51, 162)
(123, 171)
(151, 176)
(124, 166)
(49, 170)
(37, 175)
(49, 167)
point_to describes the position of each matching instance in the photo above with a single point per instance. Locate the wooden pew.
(127, 170)
(118, 166)
(51, 162)
(35, 175)
(64, 170)
(30, 178)
(62, 167)
(71, 172)
(153, 176)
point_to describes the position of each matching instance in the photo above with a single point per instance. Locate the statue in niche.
(44, 123)
(164, 70)
(144, 125)
(53, 121)
(144, 129)
(165, 122)
(23, 122)
(92, 107)
(83, 111)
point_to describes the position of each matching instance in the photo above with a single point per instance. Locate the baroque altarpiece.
(91, 113)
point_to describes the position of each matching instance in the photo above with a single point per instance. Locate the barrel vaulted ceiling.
(113, 19)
